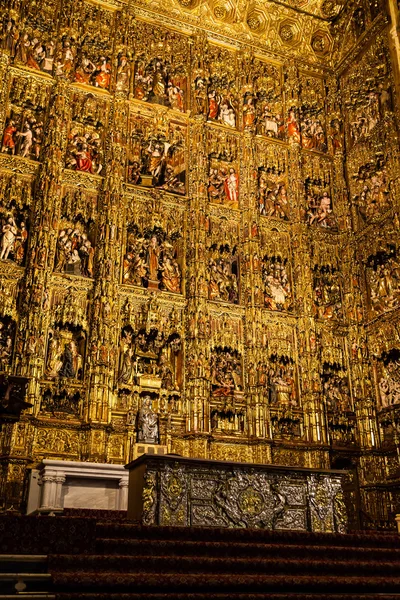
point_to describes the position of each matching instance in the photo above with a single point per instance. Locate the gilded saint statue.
(147, 423)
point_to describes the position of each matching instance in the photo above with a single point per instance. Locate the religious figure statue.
(147, 423)
(152, 258)
(123, 74)
(171, 275)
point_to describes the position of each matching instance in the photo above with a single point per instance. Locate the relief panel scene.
(157, 153)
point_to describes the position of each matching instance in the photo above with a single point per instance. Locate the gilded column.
(104, 309)
(197, 357)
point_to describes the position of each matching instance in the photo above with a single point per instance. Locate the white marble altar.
(59, 484)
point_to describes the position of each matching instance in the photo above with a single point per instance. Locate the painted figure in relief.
(84, 152)
(249, 111)
(383, 278)
(375, 195)
(159, 161)
(223, 274)
(23, 136)
(280, 382)
(293, 128)
(312, 129)
(64, 63)
(7, 335)
(277, 289)
(220, 105)
(335, 387)
(319, 212)
(327, 293)
(29, 46)
(123, 74)
(200, 95)
(65, 351)
(158, 83)
(272, 196)
(149, 353)
(147, 423)
(223, 185)
(370, 112)
(336, 135)
(85, 55)
(271, 124)
(389, 381)
(13, 236)
(367, 93)
(75, 252)
(226, 371)
(262, 100)
(151, 260)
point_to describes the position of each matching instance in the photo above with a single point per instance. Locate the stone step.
(147, 583)
(201, 596)
(122, 531)
(153, 547)
(28, 596)
(23, 563)
(24, 582)
(169, 564)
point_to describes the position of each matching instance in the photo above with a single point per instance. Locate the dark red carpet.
(92, 558)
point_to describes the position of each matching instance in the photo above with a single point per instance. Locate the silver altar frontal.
(171, 490)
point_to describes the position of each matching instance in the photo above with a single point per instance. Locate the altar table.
(177, 491)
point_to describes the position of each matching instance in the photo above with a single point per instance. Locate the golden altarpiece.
(199, 206)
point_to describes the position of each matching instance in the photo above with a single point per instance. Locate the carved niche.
(327, 291)
(85, 54)
(76, 233)
(272, 270)
(24, 127)
(157, 152)
(223, 261)
(272, 182)
(85, 149)
(222, 88)
(66, 341)
(318, 210)
(388, 377)
(154, 250)
(15, 202)
(61, 403)
(371, 184)
(223, 177)
(262, 89)
(65, 353)
(7, 338)
(312, 113)
(367, 92)
(335, 387)
(335, 384)
(383, 278)
(150, 348)
(31, 39)
(228, 411)
(278, 373)
(161, 67)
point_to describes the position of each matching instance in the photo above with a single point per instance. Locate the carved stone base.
(153, 449)
(68, 484)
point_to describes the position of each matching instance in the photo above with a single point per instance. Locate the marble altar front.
(57, 484)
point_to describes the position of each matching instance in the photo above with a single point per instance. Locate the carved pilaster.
(105, 306)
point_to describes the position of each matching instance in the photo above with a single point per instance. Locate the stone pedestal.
(69, 484)
(152, 449)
